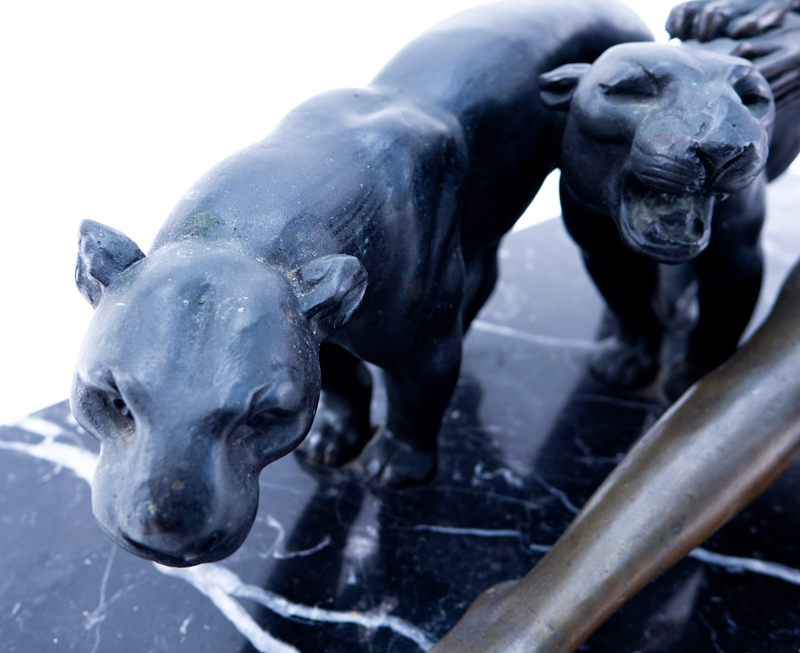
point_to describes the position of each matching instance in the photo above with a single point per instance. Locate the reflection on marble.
(339, 566)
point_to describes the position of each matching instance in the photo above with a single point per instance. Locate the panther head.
(655, 133)
(200, 367)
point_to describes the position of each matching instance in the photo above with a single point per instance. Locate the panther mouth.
(670, 229)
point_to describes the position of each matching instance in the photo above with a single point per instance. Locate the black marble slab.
(336, 565)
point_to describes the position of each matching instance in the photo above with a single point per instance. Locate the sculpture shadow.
(359, 547)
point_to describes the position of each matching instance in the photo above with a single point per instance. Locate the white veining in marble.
(82, 463)
(481, 532)
(212, 581)
(475, 532)
(185, 625)
(38, 426)
(546, 341)
(215, 581)
(288, 555)
(275, 552)
(479, 474)
(93, 619)
(77, 459)
(736, 565)
(221, 584)
(558, 494)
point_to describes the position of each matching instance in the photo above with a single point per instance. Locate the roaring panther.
(664, 158)
(364, 227)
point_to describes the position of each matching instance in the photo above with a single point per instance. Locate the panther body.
(365, 226)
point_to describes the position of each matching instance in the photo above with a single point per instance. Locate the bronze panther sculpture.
(365, 226)
(664, 158)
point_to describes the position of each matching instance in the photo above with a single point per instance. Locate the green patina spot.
(199, 225)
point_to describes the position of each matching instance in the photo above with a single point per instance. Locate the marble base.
(336, 565)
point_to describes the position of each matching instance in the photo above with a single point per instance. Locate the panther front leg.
(418, 388)
(341, 427)
(629, 284)
(729, 274)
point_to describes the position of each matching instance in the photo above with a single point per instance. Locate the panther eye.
(121, 407)
(253, 426)
(107, 413)
(640, 87)
(261, 422)
(753, 92)
(752, 98)
(118, 412)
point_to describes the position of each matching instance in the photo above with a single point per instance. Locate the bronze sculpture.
(201, 365)
(713, 452)
(368, 224)
(727, 439)
(662, 161)
(705, 20)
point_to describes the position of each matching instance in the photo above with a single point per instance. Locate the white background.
(111, 110)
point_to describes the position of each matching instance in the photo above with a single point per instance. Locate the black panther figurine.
(365, 226)
(664, 158)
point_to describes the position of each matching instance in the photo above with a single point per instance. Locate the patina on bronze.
(776, 55)
(705, 20)
(727, 439)
(364, 227)
(665, 156)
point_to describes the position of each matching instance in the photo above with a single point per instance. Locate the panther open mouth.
(670, 229)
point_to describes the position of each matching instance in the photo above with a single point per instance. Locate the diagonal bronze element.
(725, 441)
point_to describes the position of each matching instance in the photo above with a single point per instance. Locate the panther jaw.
(669, 229)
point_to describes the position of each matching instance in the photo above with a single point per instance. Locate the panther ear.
(557, 87)
(330, 289)
(103, 253)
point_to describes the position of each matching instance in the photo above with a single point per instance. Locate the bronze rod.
(720, 446)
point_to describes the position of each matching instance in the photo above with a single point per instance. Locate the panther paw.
(336, 436)
(621, 365)
(394, 463)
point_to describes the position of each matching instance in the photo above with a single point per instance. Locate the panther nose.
(716, 157)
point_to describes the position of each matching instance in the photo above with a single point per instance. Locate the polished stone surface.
(339, 566)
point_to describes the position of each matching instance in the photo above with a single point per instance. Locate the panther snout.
(180, 532)
(203, 550)
(719, 157)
